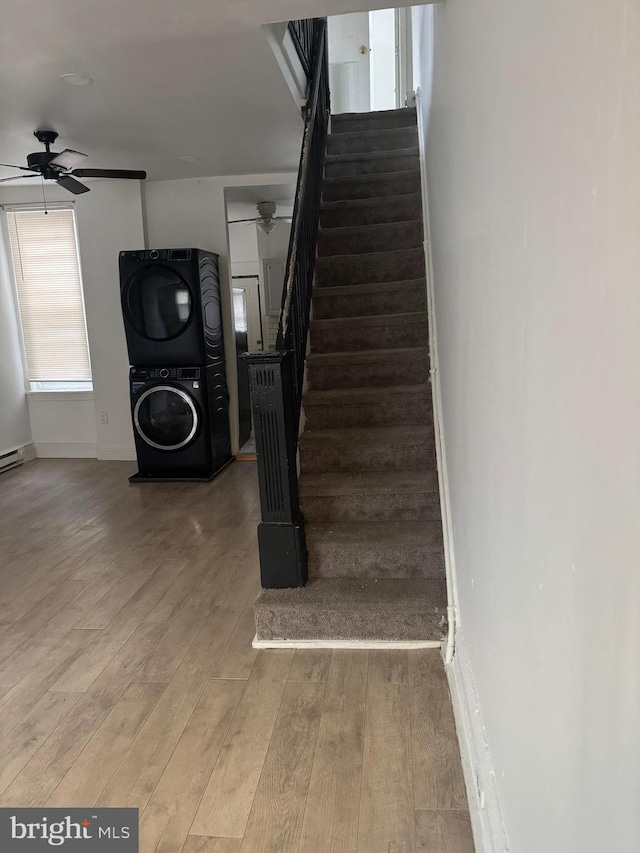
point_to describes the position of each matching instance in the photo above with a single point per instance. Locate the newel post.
(281, 540)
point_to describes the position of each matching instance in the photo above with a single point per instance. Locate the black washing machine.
(171, 306)
(180, 422)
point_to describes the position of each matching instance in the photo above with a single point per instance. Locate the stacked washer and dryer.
(179, 397)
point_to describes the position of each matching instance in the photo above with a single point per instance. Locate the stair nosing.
(363, 156)
(366, 482)
(361, 255)
(360, 289)
(375, 132)
(376, 319)
(341, 229)
(379, 176)
(323, 396)
(367, 200)
(379, 432)
(382, 354)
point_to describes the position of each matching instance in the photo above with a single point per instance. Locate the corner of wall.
(487, 822)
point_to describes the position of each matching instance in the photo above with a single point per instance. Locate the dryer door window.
(166, 417)
(158, 303)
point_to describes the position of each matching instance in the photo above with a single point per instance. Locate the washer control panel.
(146, 373)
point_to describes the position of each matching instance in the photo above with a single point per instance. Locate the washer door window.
(166, 417)
(158, 303)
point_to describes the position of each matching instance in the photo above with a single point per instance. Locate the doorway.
(370, 61)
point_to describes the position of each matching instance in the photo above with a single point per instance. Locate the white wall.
(109, 219)
(533, 162)
(192, 212)
(15, 429)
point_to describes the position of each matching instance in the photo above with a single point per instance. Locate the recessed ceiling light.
(77, 79)
(188, 159)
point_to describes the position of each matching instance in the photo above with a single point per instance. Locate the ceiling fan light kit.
(60, 167)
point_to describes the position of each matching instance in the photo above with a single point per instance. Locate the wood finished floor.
(127, 678)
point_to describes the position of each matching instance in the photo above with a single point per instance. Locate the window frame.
(38, 390)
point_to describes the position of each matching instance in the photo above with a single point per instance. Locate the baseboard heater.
(10, 460)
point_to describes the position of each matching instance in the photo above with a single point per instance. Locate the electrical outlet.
(104, 417)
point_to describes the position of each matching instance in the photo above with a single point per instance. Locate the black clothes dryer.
(171, 306)
(180, 422)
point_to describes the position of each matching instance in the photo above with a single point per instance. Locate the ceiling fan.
(61, 167)
(266, 220)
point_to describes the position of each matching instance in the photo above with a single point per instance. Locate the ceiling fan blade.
(22, 168)
(235, 221)
(72, 185)
(17, 178)
(67, 159)
(109, 173)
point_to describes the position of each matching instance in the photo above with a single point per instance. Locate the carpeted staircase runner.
(368, 485)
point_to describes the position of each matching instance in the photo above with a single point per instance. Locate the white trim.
(487, 822)
(59, 396)
(345, 644)
(436, 394)
(124, 453)
(65, 451)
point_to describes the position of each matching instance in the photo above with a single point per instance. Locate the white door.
(349, 63)
(246, 311)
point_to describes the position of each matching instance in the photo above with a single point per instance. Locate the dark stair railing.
(276, 377)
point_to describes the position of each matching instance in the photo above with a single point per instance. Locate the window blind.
(44, 252)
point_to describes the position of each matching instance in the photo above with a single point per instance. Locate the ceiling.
(194, 78)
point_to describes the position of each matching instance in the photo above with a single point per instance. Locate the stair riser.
(375, 166)
(318, 457)
(373, 121)
(370, 269)
(399, 301)
(407, 411)
(372, 212)
(397, 371)
(345, 189)
(289, 624)
(372, 507)
(350, 337)
(380, 238)
(403, 137)
(358, 560)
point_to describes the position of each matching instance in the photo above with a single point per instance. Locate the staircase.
(368, 485)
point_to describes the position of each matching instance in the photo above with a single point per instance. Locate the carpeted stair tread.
(386, 331)
(363, 356)
(372, 320)
(370, 211)
(368, 483)
(367, 448)
(345, 609)
(406, 182)
(382, 549)
(371, 163)
(370, 239)
(371, 299)
(370, 156)
(377, 368)
(333, 396)
(370, 267)
(363, 141)
(378, 120)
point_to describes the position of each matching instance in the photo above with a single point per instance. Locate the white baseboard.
(489, 831)
(125, 453)
(345, 644)
(65, 451)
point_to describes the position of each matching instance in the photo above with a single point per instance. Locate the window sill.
(59, 396)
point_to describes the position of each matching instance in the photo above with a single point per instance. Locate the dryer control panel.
(146, 373)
